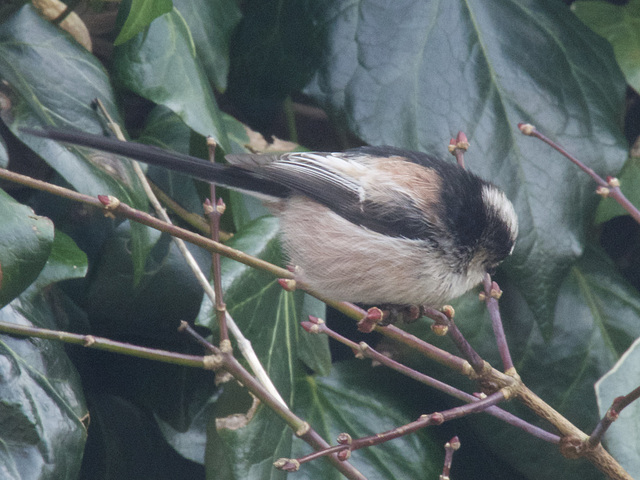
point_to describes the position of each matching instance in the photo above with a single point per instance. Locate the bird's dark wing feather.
(330, 180)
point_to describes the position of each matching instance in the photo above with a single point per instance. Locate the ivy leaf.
(54, 82)
(141, 13)
(412, 74)
(620, 25)
(621, 439)
(211, 25)
(26, 240)
(165, 50)
(43, 412)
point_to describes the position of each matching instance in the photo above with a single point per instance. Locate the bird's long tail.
(226, 175)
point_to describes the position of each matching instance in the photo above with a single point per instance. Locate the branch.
(609, 188)
(217, 360)
(363, 350)
(490, 296)
(347, 445)
(449, 449)
(618, 404)
(301, 428)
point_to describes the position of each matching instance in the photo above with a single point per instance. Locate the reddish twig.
(606, 188)
(363, 350)
(445, 318)
(458, 146)
(449, 448)
(214, 208)
(490, 296)
(437, 418)
(619, 403)
(230, 364)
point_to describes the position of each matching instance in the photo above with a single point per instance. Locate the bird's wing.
(349, 184)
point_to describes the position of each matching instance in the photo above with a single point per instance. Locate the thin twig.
(99, 343)
(618, 404)
(461, 343)
(610, 188)
(301, 428)
(449, 449)
(457, 147)
(437, 418)
(193, 219)
(491, 295)
(214, 208)
(363, 350)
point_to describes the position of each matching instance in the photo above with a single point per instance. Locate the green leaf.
(141, 14)
(42, 409)
(54, 82)
(26, 240)
(277, 43)
(596, 319)
(363, 401)
(42, 404)
(629, 185)
(166, 293)
(66, 261)
(412, 75)
(4, 154)
(267, 314)
(161, 65)
(620, 25)
(129, 444)
(621, 439)
(211, 25)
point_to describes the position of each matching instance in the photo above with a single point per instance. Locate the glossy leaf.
(362, 401)
(275, 51)
(132, 446)
(42, 435)
(25, 245)
(141, 14)
(160, 64)
(620, 25)
(596, 319)
(211, 25)
(43, 412)
(270, 318)
(412, 74)
(55, 82)
(621, 439)
(166, 293)
(65, 262)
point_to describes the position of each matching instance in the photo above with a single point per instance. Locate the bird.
(373, 225)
